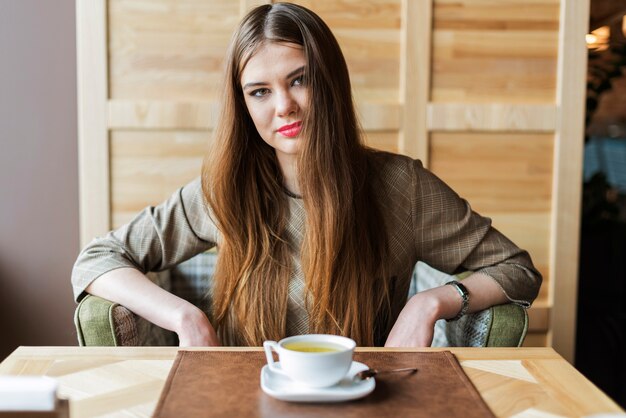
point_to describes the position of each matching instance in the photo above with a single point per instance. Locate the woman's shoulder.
(198, 213)
(192, 195)
(393, 169)
(401, 175)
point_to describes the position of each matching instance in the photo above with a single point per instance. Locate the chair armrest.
(100, 322)
(509, 325)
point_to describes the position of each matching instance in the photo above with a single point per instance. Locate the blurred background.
(39, 238)
(601, 325)
(491, 94)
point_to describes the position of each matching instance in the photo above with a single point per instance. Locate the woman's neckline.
(290, 194)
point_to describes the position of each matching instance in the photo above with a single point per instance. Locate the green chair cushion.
(94, 322)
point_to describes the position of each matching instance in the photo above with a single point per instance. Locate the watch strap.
(462, 290)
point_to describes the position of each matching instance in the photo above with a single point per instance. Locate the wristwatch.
(464, 296)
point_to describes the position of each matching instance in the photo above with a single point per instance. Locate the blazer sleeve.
(158, 238)
(451, 237)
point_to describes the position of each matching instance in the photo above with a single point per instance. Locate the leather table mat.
(228, 384)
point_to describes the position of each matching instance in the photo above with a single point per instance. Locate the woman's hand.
(195, 330)
(132, 289)
(416, 324)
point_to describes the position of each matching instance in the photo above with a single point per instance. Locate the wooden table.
(127, 381)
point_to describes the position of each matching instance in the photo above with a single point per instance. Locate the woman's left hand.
(416, 323)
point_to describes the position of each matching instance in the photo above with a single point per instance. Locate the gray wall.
(39, 237)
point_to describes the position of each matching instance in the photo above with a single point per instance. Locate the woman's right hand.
(195, 329)
(132, 289)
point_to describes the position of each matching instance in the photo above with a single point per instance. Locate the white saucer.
(285, 389)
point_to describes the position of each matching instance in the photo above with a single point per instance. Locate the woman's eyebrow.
(295, 72)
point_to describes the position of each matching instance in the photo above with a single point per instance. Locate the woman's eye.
(298, 81)
(259, 92)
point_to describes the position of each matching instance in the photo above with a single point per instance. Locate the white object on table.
(28, 393)
(281, 387)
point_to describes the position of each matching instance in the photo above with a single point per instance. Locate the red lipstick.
(292, 130)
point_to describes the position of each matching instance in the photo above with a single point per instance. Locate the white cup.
(312, 369)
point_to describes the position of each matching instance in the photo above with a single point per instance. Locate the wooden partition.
(488, 94)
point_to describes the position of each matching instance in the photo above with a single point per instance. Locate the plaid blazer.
(425, 221)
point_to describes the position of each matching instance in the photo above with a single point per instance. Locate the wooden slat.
(168, 49)
(379, 14)
(373, 56)
(379, 116)
(415, 77)
(126, 114)
(93, 151)
(503, 14)
(247, 5)
(382, 140)
(496, 172)
(568, 161)
(492, 117)
(148, 166)
(473, 43)
(494, 51)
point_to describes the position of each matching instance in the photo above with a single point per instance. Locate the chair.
(100, 322)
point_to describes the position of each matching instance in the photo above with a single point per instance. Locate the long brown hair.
(344, 249)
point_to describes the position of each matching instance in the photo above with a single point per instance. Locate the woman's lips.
(291, 130)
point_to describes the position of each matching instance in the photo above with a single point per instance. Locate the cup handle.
(268, 346)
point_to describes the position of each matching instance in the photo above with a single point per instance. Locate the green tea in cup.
(313, 347)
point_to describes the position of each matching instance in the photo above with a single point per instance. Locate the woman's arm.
(450, 237)
(130, 288)
(114, 266)
(416, 322)
(157, 239)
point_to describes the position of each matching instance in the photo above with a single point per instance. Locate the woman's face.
(276, 95)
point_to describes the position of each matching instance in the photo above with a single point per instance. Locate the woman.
(316, 232)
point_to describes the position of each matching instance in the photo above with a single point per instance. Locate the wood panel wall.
(492, 117)
(483, 92)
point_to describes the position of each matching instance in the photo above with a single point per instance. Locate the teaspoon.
(366, 374)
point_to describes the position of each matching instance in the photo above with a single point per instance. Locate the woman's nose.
(285, 104)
